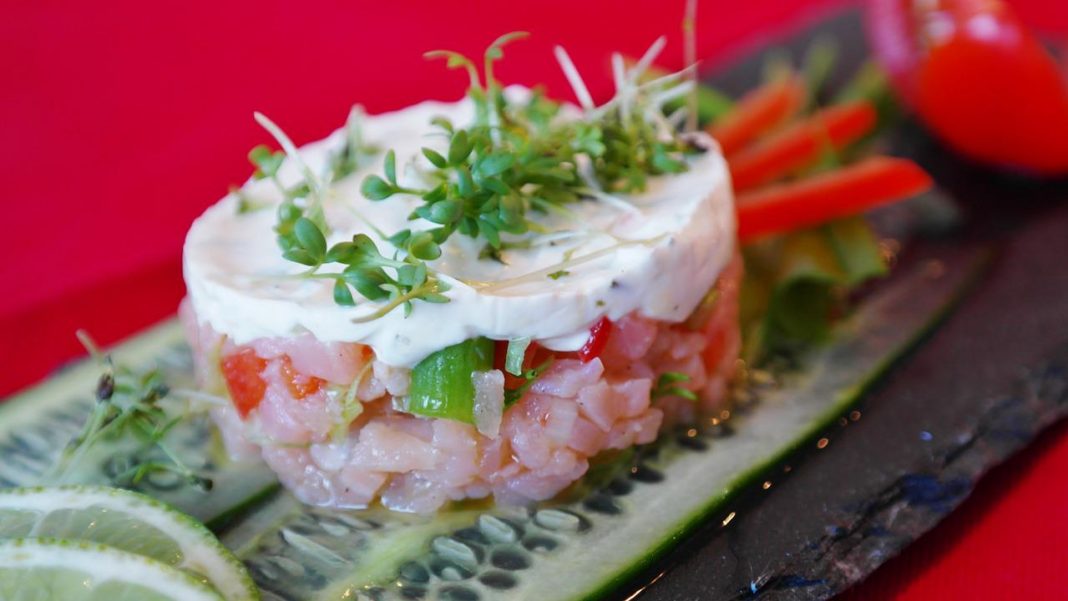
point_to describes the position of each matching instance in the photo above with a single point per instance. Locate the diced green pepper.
(441, 384)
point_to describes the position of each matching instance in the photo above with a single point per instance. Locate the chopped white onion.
(489, 401)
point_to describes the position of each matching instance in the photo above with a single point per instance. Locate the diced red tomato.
(801, 144)
(242, 370)
(826, 196)
(300, 385)
(598, 339)
(759, 112)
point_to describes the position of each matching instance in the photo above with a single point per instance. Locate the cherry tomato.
(978, 78)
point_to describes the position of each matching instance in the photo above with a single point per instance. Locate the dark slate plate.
(981, 388)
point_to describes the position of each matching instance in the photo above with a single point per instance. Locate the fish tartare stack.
(495, 355)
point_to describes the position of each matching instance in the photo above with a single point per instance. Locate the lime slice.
(129, 522)
(61, 570)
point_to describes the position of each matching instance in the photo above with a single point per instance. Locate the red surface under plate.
(121, 121)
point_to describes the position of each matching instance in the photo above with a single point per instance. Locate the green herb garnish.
(354, 152)
(394, 282)
(515, 160)
(513, 396)
(556, 275)
(128, 405)
(668, 385)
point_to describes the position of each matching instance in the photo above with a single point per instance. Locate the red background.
(121, 121)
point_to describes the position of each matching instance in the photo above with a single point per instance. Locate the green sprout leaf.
(266, 161)
(487, 181)
(342, 295)
(311, 238)
(435, 158)
(376, 188)
(391, 167)
(459, 148)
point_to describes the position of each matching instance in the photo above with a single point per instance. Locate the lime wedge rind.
(23, 561)
(201, 552)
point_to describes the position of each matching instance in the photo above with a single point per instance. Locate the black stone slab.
(981, 388)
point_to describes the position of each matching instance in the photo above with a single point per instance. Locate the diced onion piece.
(489, 401)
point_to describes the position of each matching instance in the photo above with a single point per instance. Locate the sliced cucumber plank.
(583, 548)
(36, 425)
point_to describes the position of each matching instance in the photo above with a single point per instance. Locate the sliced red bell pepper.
(847, 191)
(759, 112)
(801, 144)
(241, 370)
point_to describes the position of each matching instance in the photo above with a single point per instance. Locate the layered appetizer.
(469, 299)
(475, 299)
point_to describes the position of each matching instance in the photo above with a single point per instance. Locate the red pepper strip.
(759, 112)
(801, 144)
(598, 339)
(241, 370)
(850, 190)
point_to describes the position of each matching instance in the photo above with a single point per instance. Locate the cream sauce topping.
(658, 257)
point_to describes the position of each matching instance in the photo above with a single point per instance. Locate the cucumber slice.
(35, 426)
(590, 546)
(128, 522)
(61, 570)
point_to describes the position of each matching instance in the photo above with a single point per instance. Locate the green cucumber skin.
(881, 334)
(906, 312)
(36, 424)
(951, 291)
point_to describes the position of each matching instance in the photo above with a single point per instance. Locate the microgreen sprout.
(515, 160)
(354, 152)
(312, 181)
(514, 395)
(394, 282)
(128, 405)
(689, 35)
(488, 181)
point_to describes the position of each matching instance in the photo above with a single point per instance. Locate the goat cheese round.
(656, 253)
